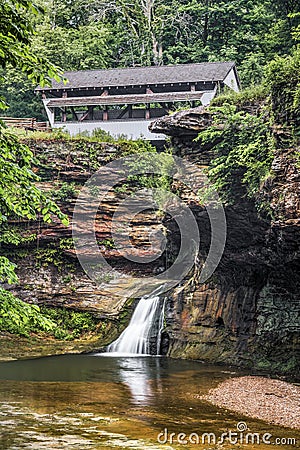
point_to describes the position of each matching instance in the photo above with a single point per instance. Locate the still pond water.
(106, 402)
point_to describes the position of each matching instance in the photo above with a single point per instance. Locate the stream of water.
(147, 318)
(123, 398)
(87, 402)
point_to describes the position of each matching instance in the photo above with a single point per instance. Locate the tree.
(147, 22)
(85, 47)
(91, 34)
(176, 31)
(43, 40)
(15, 39)
(17, 89)
(18, 194)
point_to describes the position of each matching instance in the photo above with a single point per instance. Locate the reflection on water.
(81, 401)
(142, 376)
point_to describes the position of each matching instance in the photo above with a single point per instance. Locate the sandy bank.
(274, 401)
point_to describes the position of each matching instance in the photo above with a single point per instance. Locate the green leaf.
(65, 222)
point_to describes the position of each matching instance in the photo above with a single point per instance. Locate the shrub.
(21, 318)
(70, 324)
(283, 77)
(244, 151)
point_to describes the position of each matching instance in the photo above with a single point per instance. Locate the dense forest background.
(90, 34)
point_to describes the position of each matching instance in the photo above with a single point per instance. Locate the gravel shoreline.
(274, 401)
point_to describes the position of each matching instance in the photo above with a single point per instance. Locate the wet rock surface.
(248, 312)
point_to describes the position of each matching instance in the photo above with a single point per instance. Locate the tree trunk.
(205, 27)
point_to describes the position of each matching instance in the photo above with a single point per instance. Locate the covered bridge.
(125, 101)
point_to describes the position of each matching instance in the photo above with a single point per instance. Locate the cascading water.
(160, 327)
(135, 339)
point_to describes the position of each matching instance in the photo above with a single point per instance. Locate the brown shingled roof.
(180, 73)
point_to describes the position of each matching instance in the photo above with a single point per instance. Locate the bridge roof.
(180, 73)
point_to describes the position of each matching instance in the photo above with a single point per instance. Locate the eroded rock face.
(47, 265)
(248, 313)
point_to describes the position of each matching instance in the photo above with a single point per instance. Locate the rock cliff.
(248, 313)
(48, 269)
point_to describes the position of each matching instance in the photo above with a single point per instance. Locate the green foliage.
(7, 271)
(66, 279)
(71, 15)
(153, 174)
(108, 243)
(297, 158)
(18, 90)
(156, 172)
(21, 318)
(243, 152)
(123, 189)
(53, 254)
(16, 236)
(129, 147)
(85, 47)
(66, 243)
(251, 69)
(69, 324)
(126, 146)
(48, 256)
(251, 95)
(296, 29)
(55, 134)
(16, 35)
(250, 32)
(283, 76)
(102, 135)
(18, 193)
(67, 191)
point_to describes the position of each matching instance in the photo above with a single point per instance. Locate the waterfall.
(146, 321)
(160, 327)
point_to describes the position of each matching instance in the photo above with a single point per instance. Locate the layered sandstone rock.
(248, 313)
